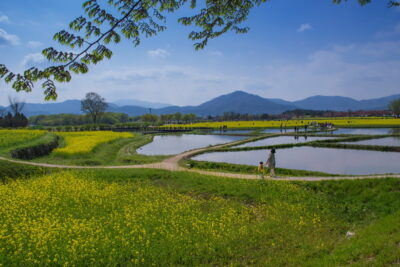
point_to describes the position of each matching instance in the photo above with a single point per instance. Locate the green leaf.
(3, 70)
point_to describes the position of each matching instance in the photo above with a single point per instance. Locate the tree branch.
(103, 35)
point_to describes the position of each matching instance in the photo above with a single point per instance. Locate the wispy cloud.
(32, 59)
(304, 27)
(4, 19)
(394, 32)
(370, 49)
(397, 28)
(338, 71)
(34, 44)
(8, 39)
(158, 53)
(216, 53)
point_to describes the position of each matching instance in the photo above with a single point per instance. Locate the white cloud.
(32, 59)
(371, 49)
(34, 44)
(4, 19)
(8, 39)
(163, 82)
(395, 31)
(351, 69)
(346, 71)
(304, 27)
(397, 28)
(158, 53)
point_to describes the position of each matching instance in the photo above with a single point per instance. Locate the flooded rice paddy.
(283, 140)
(329, 160)
(387, 141)
(175, 144)
(367, 131)
(278, 130)
(231, 132)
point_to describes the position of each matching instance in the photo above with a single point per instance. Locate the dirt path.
(172, 164)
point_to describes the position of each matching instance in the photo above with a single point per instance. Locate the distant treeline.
(298, 113)
(109, 118)
(73, 119)
(13, 121)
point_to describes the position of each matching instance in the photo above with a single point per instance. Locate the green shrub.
(35, 151)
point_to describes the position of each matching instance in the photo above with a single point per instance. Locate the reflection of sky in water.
(387, 141)
(283, 140)
(338, 161)
(369, 131)
(278, 130)
(175, 144)
(231, 132)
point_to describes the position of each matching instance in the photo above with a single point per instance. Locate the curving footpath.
(172, 164)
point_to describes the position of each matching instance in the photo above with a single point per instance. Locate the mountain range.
(238, 101)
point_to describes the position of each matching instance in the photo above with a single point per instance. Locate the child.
(271, 162)
(261, 170)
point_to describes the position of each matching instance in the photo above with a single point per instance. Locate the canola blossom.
(85, 142)
(15, 137)
(340, 122)
(72, 219)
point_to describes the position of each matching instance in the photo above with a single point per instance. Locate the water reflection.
(338, 161)
(175, 144)
(231, 132)
(283, 140)
(368, 131)
(387, 141)
(278, 130)
(395, 131)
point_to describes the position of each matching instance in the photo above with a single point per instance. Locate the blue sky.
(294, 49)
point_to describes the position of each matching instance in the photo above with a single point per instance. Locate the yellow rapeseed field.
(72, 219)
(14, 137)
(340, 122)
(85, 142)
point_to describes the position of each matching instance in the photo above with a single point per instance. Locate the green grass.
(376, 245)
(115, 217)
(11, 171)
(117, 152)
(128, 154)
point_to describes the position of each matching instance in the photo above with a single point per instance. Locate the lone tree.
(94, 105)
(2, 112)
(16, 106)
(90, 35)
(16, 119)
(394, 106)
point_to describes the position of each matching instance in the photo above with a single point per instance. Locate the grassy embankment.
(145, 217)
(248, 169)
(81, 148)
(16, 139)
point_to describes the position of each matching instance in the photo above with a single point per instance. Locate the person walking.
(271, 162)
(261, 170)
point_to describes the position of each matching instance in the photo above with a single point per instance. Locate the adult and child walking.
(270, 163)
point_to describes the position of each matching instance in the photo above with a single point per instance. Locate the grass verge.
(247, 169)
